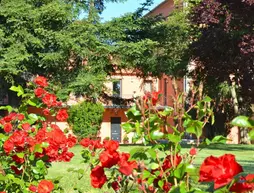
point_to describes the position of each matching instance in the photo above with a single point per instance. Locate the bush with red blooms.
(163, 167)
(29, 144)
(105, 158)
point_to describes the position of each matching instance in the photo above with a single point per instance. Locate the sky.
(118, 9)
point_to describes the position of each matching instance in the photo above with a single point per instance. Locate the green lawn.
(244, 155)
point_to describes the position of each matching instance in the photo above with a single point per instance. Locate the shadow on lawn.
(229, 147)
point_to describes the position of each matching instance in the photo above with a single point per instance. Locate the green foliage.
(86, 118)
(245, 122)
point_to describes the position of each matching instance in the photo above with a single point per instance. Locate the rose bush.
(29, 144)
(163, 167)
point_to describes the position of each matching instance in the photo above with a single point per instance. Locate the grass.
(244, 155)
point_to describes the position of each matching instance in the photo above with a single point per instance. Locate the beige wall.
(130, 83)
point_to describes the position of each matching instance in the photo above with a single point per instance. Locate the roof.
(163, 2)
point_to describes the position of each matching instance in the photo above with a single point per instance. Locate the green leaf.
(207, 99)
(138, 153)
(174, 138)
(155, 135)
(160, 183)
(243, 121)
(195, 127)
(38, 148)
(219, 139)
(251, 134)
(8, 108)
(128, 127)
(32, 102)
(180, 170)
(152, 152)
(146, 174)
(154, 166)
(20, 155)
(167, 111)
(18, 89)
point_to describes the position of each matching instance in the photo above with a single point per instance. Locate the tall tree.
(224, 51)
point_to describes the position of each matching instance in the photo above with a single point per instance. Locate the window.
(117, 88)
(148, 86)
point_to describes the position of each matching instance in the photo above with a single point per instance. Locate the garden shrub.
(85, 118)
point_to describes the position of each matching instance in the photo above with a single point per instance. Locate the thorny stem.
(163, 173)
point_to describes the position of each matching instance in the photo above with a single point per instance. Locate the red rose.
(41, 81)
(241, 187)
(193, 151)
(155, 97)
(25, 126)
(62, 115)
(111, 145)
(49, 100)
(108, 159)
(20, 117)
(8, 146)
(18, 159)
(33, 188)
(115, 185)
(71, 141)
(45, 186)
(98, 177)
(166, 186)
(10, 117)
(7, 127)
(167, 162)
(126, 167)
(46, 111)
(16, 170)
(85, 142)
(39, 92)
(221, 170)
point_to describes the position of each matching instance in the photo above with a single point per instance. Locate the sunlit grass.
(244, 155)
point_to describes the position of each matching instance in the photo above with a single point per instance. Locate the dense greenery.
(223, 52)
(85, 119)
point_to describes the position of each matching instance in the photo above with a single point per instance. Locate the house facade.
(127, 85)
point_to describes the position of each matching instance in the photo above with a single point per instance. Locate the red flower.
(126, 167)
(16, 170)
(85, 142)
(71, 141)
(62, 115)
(167, 162)
(166, 186)
(49, 100)
(41, 81)
(155, 97)
(25, 126)
(241, 187)
(115, 185)
(20, 117)
(193, 151)
(98, 177)
(221, 170)
(39, 92)
(8, 146)
(46, 111)
(108, 159)
(18, 159)
(10, 117)
(7, 127)
(33, 188)
(45, 186)
(111, 145)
